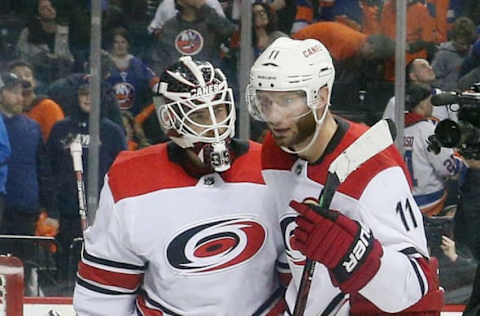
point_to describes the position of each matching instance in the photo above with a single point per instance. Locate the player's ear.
(323, 95)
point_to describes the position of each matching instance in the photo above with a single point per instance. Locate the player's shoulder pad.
(273, 157)
(356, 182)
(390, 157)
(247, 166)
(139, 172)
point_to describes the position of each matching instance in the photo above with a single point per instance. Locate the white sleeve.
(215, 4)
(388, 208)
(165, 11)
(109, 273)
(389, 109)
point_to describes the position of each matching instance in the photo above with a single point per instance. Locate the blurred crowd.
(45, 97)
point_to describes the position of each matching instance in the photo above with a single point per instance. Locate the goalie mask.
(196, 110)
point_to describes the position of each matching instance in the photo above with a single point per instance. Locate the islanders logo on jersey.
(287, 224)
(215, 245)
(125, 93)
(189, 42)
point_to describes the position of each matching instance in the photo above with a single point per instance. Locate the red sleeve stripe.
(109, 278)
(148, 306)
(143, 310)
(99, 289)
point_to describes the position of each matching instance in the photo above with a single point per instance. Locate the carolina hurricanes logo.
(216, 245)
(287, 225)
(125, 93)
(189, 42)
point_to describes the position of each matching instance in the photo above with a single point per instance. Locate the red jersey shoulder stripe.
(143, 171)
(356, 182)
(246, 167)
(109, 278)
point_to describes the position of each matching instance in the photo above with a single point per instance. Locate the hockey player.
(290, 86)
(186, 227)
(429, 170)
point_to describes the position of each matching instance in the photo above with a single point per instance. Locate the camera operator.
(429, 171)
(465, 136)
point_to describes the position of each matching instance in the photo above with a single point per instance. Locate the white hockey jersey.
(427, 169)
(377, 195)
(167, 243)
(439, 112)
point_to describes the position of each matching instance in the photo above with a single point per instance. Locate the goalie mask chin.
(196, 110)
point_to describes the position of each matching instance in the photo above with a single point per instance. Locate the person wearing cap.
(28, 187)
(429, 171)
(76, 124)
(5, 152)
(39, 108)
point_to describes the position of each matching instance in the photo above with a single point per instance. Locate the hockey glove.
(347, 249)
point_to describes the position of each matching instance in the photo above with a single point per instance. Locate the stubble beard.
(305, 128)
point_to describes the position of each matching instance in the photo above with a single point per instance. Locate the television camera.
(463, 135)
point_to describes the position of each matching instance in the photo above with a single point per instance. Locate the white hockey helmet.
(291, 65)
(187, 87)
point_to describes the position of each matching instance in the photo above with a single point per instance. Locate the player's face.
(260, 15)
(120, 46)
(423, 71)
(287, 115)
(28, 97)
(46, 10)
(12, 99)
(207, 117)
(24, 73)
(84, 101)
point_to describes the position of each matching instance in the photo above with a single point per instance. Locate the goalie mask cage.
(11, 286)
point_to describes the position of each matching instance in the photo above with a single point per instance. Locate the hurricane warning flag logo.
(216, 245)
(189, 42)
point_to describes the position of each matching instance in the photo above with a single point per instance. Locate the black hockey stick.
(374, 140)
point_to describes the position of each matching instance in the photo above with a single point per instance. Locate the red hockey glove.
(346, 248)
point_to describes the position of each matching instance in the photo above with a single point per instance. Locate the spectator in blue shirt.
(4, 156)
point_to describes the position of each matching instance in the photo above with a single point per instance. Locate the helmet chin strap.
(319, 122)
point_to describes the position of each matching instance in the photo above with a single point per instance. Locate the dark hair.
(414, 94)
(272, 24)
(409, 69)
(383, 46)
(464, 28)
(19, 63)
(121, 31)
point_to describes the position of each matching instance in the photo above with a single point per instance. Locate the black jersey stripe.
(157, 304)
(101, 290)
(275, 295)
(333, 303)
(419, 277)
(410, 251)
(111, 263)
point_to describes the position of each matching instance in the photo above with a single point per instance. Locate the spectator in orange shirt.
(360, 59)
(344, 42)
(39, 108)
